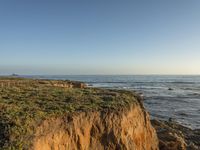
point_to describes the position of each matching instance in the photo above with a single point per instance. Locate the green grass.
(25, 103)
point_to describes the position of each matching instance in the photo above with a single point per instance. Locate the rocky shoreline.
(173, 136)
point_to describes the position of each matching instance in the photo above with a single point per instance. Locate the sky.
(60, 37)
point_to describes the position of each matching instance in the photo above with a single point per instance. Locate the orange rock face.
(128, 129)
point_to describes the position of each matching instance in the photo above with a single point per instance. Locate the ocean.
(175, 97)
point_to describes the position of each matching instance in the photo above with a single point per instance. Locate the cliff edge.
(41, 115)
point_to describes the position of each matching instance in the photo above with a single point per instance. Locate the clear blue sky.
(100, 37)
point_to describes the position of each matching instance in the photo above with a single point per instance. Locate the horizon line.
(15, 74)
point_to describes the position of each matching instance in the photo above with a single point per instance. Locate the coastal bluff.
(62, 115)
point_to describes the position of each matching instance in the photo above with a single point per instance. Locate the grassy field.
(25, 103)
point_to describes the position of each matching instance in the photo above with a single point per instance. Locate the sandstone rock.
(127, 129)
(79, 85)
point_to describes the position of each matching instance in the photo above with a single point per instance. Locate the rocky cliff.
(41, 117)
(127, 128)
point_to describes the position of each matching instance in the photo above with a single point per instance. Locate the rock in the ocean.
(170, 89)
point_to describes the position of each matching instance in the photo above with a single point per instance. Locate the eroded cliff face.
(128, 128)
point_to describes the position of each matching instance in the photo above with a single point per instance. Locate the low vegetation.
(26, 103)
